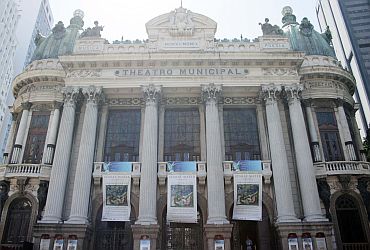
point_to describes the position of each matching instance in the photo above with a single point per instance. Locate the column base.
(50, 220)
(315, 218)
(77, 220)
(212, 231)
(217, 220)
(145, 232)
(284, 229)
(287, 219)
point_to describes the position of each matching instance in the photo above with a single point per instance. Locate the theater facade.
(183, 141)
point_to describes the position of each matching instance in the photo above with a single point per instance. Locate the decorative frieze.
(181, 101)
(40, 87)
(83, 73)
(246, 100)
(125, 101)
(279, 72)
(324, 84)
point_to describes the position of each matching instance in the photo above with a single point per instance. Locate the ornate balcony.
(135, 172)
(341, 168)
(40, 171)
(266, 171)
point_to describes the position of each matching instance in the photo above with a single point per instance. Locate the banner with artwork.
(116, 197)
(247, 165)
(117, 166)
(182, 198)
(182, 166)
(247, 197)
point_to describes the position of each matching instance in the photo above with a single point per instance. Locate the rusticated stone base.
(82, 232)
(144, 231)
(213, 231)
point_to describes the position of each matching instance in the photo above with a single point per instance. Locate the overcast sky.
(127, 18)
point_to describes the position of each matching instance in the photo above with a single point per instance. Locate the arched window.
(18, 221)
(113, 235)
(349, 220)
(182, 236)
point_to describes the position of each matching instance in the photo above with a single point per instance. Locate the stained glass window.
(241, 134)
(181, 135)
(36, 137)
(123, 136)
(329, 136)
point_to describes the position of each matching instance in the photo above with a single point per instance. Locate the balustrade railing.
(25, 170)
(342, 167)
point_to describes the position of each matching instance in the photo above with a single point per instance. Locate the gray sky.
(127, 18)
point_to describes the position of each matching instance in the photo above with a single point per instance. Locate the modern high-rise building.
(9, 13)
(32, 17)
(185, 142)
(349, 23)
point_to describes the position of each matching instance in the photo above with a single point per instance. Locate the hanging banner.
(58, 244)
(44, 244)
(116, 197)
(117, 166)
(247, 197)
(72, 245)
(182, 198)
(182, 166)
(247, 165)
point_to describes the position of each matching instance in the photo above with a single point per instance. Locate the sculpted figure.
(269, 29)
(92, 32)
(59, 30)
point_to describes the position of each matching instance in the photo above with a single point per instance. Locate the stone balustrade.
(228, 171)
(135, 172)
(40, 171)
(342, 167)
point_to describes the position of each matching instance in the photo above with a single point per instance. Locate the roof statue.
(327, 35)
(303, 36)
(92, 32)
(288, 17)
(181, 23)
(269, 29)
(306, 27)
(62, 39)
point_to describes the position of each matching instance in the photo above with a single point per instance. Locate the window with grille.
(123, 136)
(181, 135)
(241, 134)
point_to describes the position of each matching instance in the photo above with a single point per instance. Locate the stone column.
(313, 134)
(306, 170)
(281, 175)
(59, 171)
(17, 149)
(148, 181)
(346, 133)
(215, 175)
(82, 183)
(9, 143)
(52, 135)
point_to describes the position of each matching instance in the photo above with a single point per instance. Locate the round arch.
(337, 200)
(7, 206)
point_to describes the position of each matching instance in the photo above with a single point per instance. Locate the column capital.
(211, 92)
(339, 102)
(93, 94)
(152, 93)
(293, 92)
(70, 95)
(26, 105)
(269, 93)
(57, 105)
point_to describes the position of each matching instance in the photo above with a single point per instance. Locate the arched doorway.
(350, 222)
(260, 233)
(113, 235)
(17, 223)
(182, 236)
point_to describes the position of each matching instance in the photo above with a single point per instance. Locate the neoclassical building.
(282, 100)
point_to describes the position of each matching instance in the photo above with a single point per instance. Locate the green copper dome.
(304, 38)
(61, 41)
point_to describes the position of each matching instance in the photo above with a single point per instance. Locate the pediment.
(181, 25)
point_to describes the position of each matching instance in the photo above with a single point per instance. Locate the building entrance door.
(257, 235)
(113, 235)
(182, 236)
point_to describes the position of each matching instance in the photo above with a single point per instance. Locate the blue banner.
(117, 166)
(247, 165)
(182, 166)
